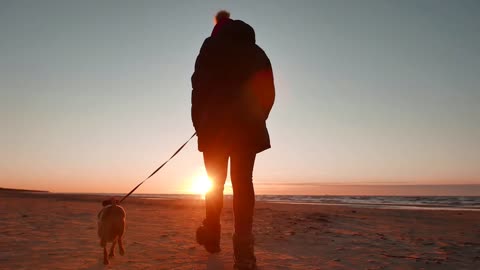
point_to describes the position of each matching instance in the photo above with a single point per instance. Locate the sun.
(201, 184)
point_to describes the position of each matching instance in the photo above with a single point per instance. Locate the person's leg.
(216, 164)
(208, 235)
(243, 206)
(243, 192)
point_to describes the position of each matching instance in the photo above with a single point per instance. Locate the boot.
(243, 252)
(208, 235)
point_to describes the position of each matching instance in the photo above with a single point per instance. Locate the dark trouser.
(241, 169)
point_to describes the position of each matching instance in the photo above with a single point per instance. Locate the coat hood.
(235, 30)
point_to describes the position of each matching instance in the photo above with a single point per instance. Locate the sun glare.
(201, 184)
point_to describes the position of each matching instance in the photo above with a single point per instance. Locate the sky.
(94, 95)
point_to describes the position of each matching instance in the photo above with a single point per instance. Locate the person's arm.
(269, 94)
(264, 84)
(200, 80)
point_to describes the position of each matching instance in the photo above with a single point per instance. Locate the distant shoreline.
(22, 190)
(450, 203)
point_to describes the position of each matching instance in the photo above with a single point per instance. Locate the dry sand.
(55, 231)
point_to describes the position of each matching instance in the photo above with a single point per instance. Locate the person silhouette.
(232, 95)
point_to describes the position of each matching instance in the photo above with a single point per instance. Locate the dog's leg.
(120, 246)
(105, 257)
(112, 248)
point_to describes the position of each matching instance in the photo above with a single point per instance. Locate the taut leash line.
(161, 166)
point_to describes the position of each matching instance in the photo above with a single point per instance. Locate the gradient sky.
(94, 95)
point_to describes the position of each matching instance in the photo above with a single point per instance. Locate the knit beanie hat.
(221, 19)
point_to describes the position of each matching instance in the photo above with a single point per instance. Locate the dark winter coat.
(233, 91)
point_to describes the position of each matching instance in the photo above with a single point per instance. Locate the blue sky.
(95, 94)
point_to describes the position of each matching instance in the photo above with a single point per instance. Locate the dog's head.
(111, 201)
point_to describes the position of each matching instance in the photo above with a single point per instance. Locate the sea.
(470, 203)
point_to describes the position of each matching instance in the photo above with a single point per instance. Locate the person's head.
(221, 16)
(221, 19)
(236, 30)
(239, 32)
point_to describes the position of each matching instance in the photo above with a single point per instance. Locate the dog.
(111, 227)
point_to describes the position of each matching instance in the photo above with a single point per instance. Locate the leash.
(161, 166)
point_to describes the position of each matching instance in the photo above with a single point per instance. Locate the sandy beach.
(58, 231)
